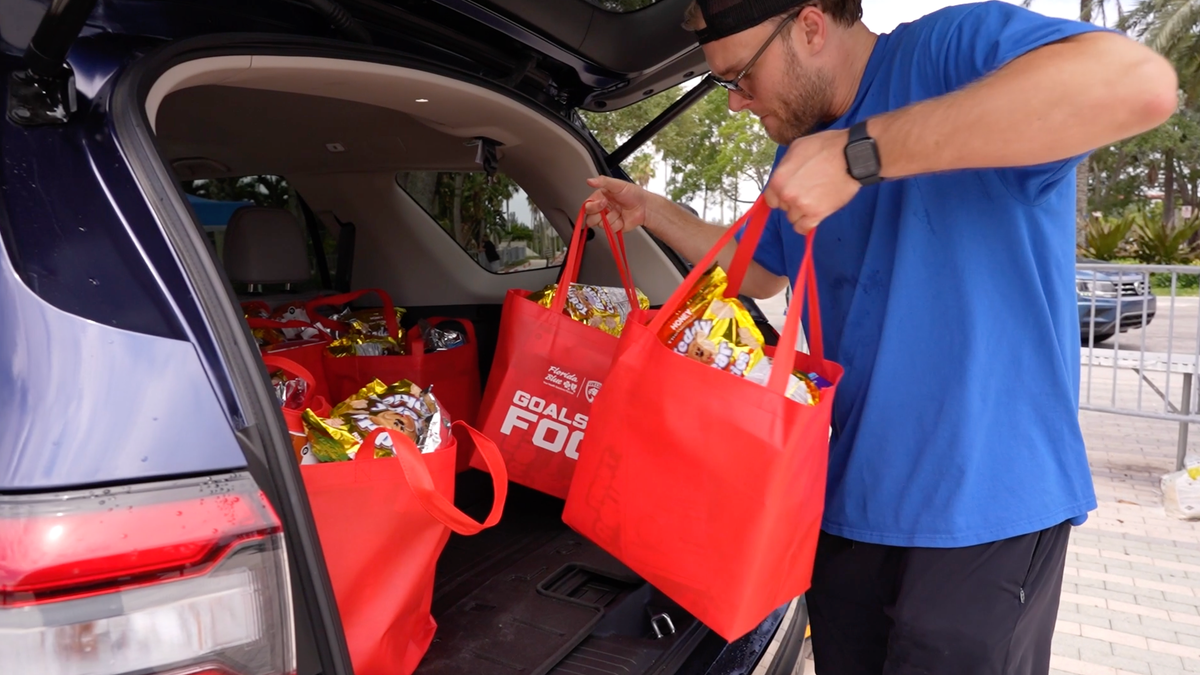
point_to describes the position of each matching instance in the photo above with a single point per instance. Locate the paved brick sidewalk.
(1131, 592)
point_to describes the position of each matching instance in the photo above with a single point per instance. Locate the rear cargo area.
(531, 596)
(363, 192)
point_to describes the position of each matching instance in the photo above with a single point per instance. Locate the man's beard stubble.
(804, 101)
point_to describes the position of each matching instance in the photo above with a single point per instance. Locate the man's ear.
(811, 30)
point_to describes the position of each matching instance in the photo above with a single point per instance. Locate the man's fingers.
(595, 204)
(806, 224)
(615, 221)
(770, 198)
(619, 198)
(609, 184)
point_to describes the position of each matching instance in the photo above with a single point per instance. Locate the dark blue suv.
(1112, 301)
(152, 514)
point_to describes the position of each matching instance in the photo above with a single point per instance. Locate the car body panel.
(82, 403)
(1103, 317)
(112, 372)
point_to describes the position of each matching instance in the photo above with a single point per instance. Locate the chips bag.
(402, 406)
(715, 330)
(802, 387)
(368, 335)
(440, 339)
(289, 390)
(294, 311)
(264, 337)
(602, 307)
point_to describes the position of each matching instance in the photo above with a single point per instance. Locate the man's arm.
(691, 237)
(1058, 101)
(1055, 102)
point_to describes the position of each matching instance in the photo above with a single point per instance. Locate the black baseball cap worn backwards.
(723, 18)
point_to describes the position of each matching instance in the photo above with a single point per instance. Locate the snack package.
(294, 311)
(368, 335)
(802, 387)
(715, 330)
(603, 307)
(289, 390)
(402, 406)
(440, 339)
(290, 393)
(1181, 493)
(264, 337)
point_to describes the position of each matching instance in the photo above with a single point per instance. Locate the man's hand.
(811, 181)
(626, 204)
(629, 206)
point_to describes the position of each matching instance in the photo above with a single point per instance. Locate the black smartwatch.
(862, 156)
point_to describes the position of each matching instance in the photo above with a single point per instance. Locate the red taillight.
(185, 577)
(76, 554)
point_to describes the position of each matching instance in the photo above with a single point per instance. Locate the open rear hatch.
(598, 54)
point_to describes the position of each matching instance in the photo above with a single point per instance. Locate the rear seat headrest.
(265, 245)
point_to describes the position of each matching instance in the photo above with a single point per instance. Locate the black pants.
(979, 610)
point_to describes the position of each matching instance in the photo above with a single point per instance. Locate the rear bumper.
(1104, 316)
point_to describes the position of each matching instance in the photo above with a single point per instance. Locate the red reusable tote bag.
(306, 353)
(546, 372)
(294, 417)
(382, 525)
(709, 486)
(453, 373)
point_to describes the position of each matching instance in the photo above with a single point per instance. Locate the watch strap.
(858, 134)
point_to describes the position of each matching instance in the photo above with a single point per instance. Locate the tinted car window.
(215, 200)
(491, 218)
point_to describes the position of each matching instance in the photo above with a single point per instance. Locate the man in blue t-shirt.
(939, 162)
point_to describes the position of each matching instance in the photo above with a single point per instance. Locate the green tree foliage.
(1172, 28)
(614, 127)
(468, 205)
(708, 151)
(1162, 243)
(262, 190)
(1106, 237)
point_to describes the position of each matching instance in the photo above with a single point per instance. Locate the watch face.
(861, 159)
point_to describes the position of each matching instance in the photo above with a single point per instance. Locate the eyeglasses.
(734, 84)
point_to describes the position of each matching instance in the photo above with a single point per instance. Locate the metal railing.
(1141, 352)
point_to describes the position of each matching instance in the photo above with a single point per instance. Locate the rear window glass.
(491, 218)
(622, 5)
(214, 200)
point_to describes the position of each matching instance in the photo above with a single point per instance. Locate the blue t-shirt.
(949, 299)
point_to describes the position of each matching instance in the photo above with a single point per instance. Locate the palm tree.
(1170, 28)
(1164, 25)
(1089, 10)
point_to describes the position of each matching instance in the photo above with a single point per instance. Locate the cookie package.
(402, 406)
(603, 307)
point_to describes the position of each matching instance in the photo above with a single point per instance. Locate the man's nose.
(737, 102)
